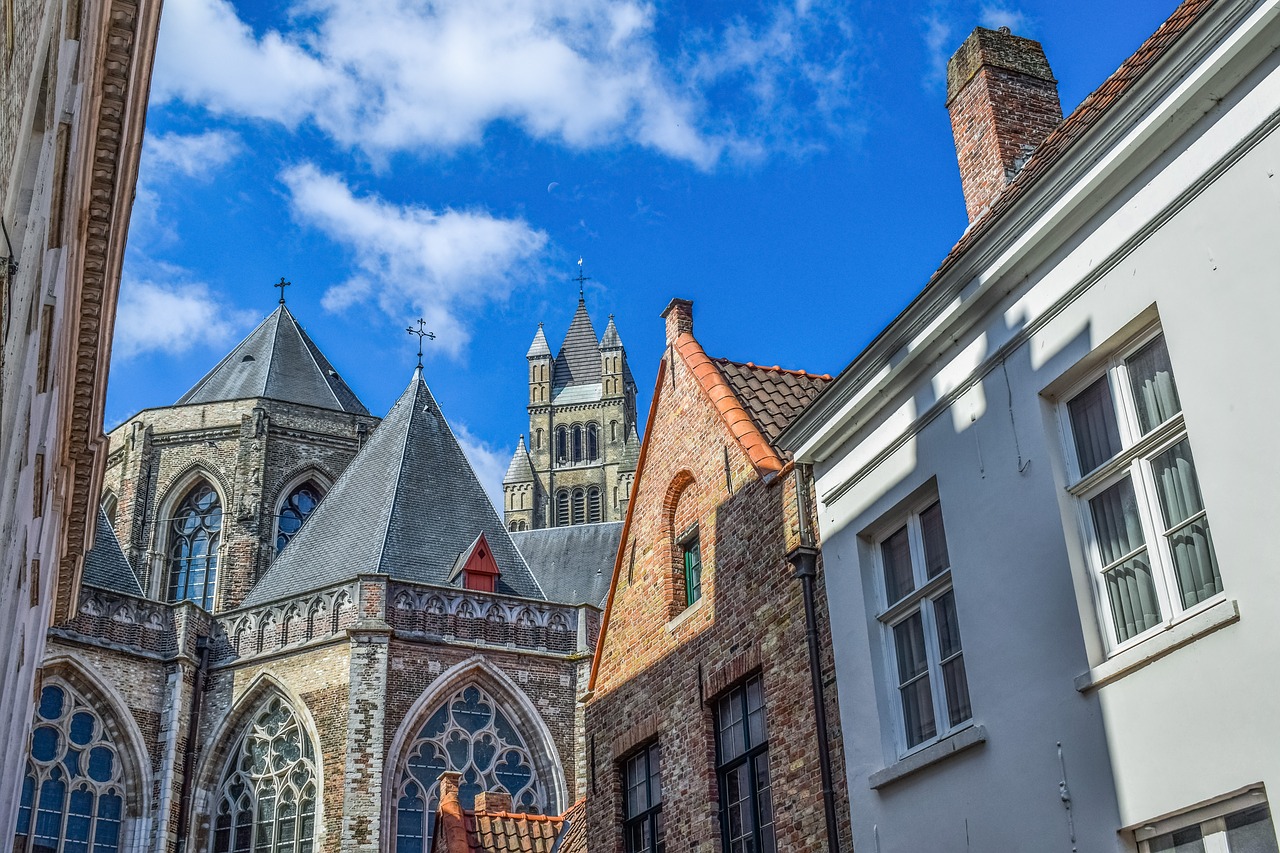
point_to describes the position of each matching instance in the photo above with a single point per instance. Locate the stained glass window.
(73, 790)
(295, 509)
(267, 800)
(471, 734)
(194, 536)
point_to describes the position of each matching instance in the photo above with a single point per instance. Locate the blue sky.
(787, 165)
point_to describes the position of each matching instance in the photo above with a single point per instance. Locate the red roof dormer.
(478, 568)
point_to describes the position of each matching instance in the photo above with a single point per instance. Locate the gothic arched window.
(267, 800)
(194, 535)
(110, 504)
(562, 508)
(593, 443)
(562, 444)
(294, 510)
(579, 506)
(538, 441)
(73, 791)
(593, 505)
(471, 734)
(577, 442)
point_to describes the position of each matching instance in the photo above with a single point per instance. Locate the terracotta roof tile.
(771, 396)
(504, 832)
(574, 829)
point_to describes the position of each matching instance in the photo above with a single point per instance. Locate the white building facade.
(1044, 646)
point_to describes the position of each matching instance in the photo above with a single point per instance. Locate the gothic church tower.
(583, 444)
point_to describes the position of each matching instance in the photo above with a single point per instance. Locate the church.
(300, 626)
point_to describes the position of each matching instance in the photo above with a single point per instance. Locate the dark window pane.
(896, 551)
(917, 712)
(1176, 482)
(1251, 831)
(1154, 393)
(1188, 840)
(908, 641)
(936, 558)
(1093, 425)
(1116, 521)
(1132, 594)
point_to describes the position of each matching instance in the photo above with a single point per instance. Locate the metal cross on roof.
(282, 284)
(421, 332)
(580, 279)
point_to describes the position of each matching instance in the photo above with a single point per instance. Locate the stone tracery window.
(469, 733)
(294, 510)
(73, 791)
(194, 535)
(266, 802)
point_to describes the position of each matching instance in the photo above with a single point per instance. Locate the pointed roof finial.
(421, 332)
(282, 284)
(580, 279)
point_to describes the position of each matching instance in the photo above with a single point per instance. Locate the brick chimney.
(492, 802)
(1003, 102)
(679, 317)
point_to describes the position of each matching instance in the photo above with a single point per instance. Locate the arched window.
(593, 443)
(538, 440)
(579, 506)
(294, 510)
(471, 734)
(194, 535)
(109, 505)
(577, 442)
(267, 800)
(613, 430)
(562, 444)
(73, 791)
(593, 505)
(562, 508)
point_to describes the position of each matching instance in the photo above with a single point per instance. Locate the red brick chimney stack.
(679, 317)
(492, 802)
(1003, 102)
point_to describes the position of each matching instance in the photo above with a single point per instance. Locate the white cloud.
(172, 315)
(946, 24)
(939, 44)
(997, 15)
(192, 156)
(489, 462)
(411, 259)
(395, 75)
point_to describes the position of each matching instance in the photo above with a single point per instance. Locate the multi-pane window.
(267, 800)
(1247, 831)
(691, 554)
(73, 790)
(194, 535)
(642, 777)
(742, 749)
(1140, 498)
(296, 507)
(923, 629)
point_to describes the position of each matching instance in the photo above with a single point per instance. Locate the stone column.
(366, 741)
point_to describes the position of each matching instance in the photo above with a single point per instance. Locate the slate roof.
(539, 347)
(277, 361)
(521, 469)
(105, 566)
(773, 397)
(573, 832)
(610, 338)
(631, 451)
(573, 564)
(407, 506)
(579, 360)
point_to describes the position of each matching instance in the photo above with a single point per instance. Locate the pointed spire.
(539, 348)
(610, 339)
(631, 451)
(406, 506)
(579, 360)
(521, 469)
(280, 362)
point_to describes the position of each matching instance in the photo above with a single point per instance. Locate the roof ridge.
(308, 345)
(395, 492)
(226, 359)
(774, 369)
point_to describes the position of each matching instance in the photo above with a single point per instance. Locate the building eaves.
(1040, 165)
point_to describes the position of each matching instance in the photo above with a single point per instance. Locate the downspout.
(193, 729)
(804, 560)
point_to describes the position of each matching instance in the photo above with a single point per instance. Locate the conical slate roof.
(610, 338)
(277, 361)
(631, 451)
(539, 348)
(520, 470)
(105, 566)
(406, 506)
(579, 360)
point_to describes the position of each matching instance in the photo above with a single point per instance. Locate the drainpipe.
(193, 729)
(804, 561)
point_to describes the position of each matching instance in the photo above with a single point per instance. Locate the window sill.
(685, 614)
(930, 755)
(1171, 638)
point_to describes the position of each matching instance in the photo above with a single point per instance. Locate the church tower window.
(110, 504)
(267, 800)
(294, 511)
(73, 791)
(593, 443)
(577, 443)
(471, 734)
(579, 506)
(194, 535)
(562, 445)
(593, 506)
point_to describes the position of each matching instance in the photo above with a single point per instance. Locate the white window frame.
(1210, 818)
(890, 615)
(1132, 461)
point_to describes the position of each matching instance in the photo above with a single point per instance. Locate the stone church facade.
(583, 444)
(234, 679)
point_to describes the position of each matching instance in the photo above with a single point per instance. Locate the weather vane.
(282, 284)
(580, 279)
(421, 332)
